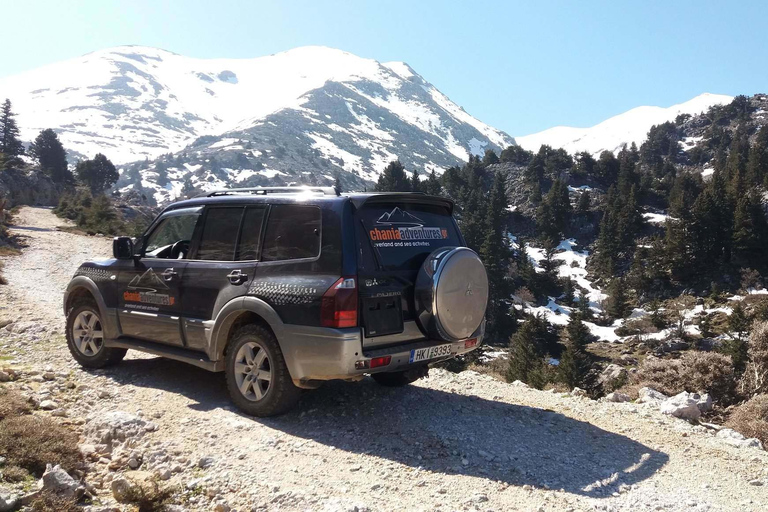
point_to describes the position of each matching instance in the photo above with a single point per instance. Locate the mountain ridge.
(616, 131)
(138, 102)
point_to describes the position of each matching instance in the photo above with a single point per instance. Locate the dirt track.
(448, 442)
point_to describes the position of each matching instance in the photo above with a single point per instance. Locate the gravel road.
(449, 442)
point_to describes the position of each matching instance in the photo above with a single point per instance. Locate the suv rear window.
(293, 232)
(403, 235)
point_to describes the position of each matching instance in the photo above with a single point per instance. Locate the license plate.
(424, 354)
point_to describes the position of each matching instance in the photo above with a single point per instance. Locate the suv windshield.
(403, 235)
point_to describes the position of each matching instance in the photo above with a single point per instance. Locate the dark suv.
(283, 288)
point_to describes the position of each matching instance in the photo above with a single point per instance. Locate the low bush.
(96, 214)
(30, 442)
(51, 502)
(751, 418)
(692, 372)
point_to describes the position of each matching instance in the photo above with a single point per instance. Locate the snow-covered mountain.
(613, 133)
(309, 110)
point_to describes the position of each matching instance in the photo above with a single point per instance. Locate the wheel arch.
(84, 287)
(240, 312)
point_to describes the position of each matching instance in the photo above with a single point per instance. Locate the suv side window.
(250, 234)
(220, 229)
(293, 232)
(171, 231)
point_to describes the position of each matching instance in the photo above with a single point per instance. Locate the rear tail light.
(380, 361)
(339, 305)
(470, 343)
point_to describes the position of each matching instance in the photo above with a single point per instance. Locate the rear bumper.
(318, 354)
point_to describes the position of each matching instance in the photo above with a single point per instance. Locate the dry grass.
(751, 418)
(30, 442)
(692, 372)
(13, 404)
(51, 502)
(149, 496)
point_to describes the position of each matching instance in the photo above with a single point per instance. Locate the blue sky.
(519, 66)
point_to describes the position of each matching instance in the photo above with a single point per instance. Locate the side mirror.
(122, 248)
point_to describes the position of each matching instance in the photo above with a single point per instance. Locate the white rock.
(578, 392)
(650, 395)
(612, 375)
(59, 481)
(682, 405)
(520, 384)
(113, 426)
(49, 405)
(617, 397)
(703, 401)
(733, 438)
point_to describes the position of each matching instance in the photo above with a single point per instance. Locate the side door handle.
(169, 274)
(237, 277)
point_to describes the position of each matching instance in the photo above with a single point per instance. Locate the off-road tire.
(105, 356)
(281, 394)
(395, 379)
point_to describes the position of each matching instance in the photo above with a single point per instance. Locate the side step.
(184, 355)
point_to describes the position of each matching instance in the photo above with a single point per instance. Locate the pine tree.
(432, 185)
(516, 155)
(394, 179)
(575, 368)
(585, 311)
(415, 181)
(750, 231)
(490, 158)
(757, 163)
(98, 174)
(616, 304)
(568, 294)
(737, 344)
(527, 351)
(584, 203)
(494, 252)
(10, 144)
(51, 156)
(578, 333)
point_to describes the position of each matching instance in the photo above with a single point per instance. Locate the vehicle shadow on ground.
(435, 430)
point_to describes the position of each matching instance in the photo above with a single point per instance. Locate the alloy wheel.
(87, 333)
(253, 372)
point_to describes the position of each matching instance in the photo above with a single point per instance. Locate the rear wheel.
(257, 376)
(397, 379)
(85, 337)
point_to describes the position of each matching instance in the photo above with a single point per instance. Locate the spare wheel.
(451, 294)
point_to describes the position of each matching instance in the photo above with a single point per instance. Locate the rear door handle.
(169, 274)
(237, 277)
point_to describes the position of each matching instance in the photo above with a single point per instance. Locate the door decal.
(148, 289)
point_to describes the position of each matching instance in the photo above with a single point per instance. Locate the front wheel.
(85, 337)
(398, 379)
(257, 376)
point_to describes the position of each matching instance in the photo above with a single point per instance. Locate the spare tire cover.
(451, 293)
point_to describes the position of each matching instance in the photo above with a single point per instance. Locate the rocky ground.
(450, 442)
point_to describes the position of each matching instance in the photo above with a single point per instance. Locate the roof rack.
(328, 191)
